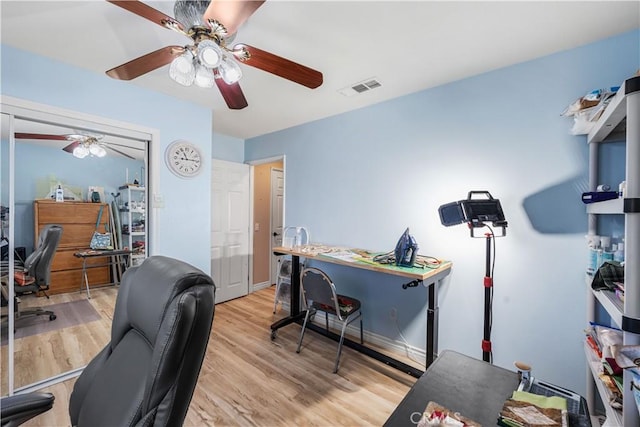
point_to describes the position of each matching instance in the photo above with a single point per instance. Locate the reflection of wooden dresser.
(78, 221)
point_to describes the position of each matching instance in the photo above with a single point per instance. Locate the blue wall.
(361, 178)
(46, 164)
(186, 202)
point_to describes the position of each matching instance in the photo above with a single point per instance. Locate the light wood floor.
(249, 380)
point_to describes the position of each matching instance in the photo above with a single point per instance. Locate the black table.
(472, 387)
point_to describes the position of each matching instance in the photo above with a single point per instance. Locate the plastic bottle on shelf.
(59, 194)
(622, 188)
(607, 255)
(593, 243)
(618, 255)
(599, 260)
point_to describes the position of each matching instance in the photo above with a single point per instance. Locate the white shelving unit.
(620, 122)
(133, 215)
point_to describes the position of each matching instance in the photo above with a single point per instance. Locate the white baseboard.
(258, 286)
(353, 332)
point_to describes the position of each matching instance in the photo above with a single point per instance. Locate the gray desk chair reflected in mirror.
(319, 294)
(37, 271)
(147, 373)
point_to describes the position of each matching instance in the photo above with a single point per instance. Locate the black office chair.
(147, 374)
(319, 294)
(35, 273)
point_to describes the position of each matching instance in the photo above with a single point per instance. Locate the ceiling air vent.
(360, 87)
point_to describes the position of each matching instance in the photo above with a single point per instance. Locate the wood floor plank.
(249, 380)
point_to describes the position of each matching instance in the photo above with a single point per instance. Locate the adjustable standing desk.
(428, 277)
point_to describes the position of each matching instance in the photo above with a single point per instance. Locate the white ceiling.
(406, 46)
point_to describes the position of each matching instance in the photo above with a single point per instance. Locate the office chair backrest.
(317, 288)
(38, 263)
(147, 374)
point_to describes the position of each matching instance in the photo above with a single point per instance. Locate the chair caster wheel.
(52, 317)
(274, 334)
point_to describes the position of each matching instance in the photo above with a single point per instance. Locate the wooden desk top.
(97, 253)
(361, 258)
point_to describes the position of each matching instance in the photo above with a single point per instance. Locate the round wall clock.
(183, 159)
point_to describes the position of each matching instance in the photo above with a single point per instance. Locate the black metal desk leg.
(295, 285)
(432, 323)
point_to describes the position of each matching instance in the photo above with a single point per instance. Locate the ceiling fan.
(82, 145)
(209, 60)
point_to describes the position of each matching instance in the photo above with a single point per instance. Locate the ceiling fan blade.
(19, 135)
(146, 63)
(231, 14)
(281, 67)
(118, 151)
(150, 13)
(232, 94)
(69, 148)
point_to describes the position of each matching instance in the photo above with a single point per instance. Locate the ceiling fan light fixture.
(204, 77)
(190, 12)
(80, 151)
(230, 71)
(182, 69)
(209, 53)
(97, 150)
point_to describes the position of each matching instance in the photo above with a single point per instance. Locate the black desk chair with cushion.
(319, 294)
(147, 374)
(35, 274)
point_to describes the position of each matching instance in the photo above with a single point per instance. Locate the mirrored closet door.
(70, 178)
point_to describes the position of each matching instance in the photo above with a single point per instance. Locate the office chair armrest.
(16, 409)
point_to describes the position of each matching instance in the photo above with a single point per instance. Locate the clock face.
(183, 159)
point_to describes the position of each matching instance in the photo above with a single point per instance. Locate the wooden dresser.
(78, 221)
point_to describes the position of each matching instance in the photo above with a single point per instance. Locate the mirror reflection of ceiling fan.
(82, 145)
(209, 61)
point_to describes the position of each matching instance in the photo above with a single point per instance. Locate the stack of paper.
(532, 410)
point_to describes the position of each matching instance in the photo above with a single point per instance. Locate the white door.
(230, 185)
(277, 217)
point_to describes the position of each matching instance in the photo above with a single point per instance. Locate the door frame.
(273, 259)
(256, 162)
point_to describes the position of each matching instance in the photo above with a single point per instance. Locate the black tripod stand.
(488, 300)
(476, 213)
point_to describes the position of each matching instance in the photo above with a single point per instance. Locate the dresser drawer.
(72, 280)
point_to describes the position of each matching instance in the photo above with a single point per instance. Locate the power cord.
(422, 261)
(407, 346)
